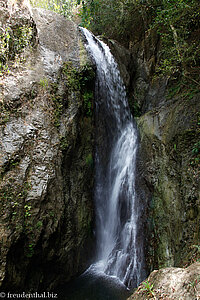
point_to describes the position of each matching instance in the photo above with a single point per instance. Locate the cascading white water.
(116, 211)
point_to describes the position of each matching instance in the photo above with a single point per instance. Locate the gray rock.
(45, 138)
(167, 138)
(171, 283)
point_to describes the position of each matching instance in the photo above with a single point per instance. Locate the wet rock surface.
(46, 137)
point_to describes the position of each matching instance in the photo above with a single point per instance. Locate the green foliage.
(147, 287)
(78, 79)
(193, 284)
(115, 19)
(14, 191)
(52, 214)
(13, 41)
(89, 160)
(87, 79)
(81, 80)
(29, 250)
(194, 254)
(99, 15)
(63, 7)
(39, 224)
(72, 75)
(4, 113)
(136, 109)
(44, 83)
(87, 98)
(134, 105)
(175, 22)
(64, 144)
(27, 211)
(183, 87)
(58, 105)
(196, 148)
(13, 195)
(57, 101)
(197, 247)
(195, 155)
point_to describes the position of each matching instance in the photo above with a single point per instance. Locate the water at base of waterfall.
(93, 285)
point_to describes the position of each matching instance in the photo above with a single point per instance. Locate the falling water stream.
(119, 257)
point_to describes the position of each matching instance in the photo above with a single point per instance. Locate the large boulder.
(46, 149)
(171, 284)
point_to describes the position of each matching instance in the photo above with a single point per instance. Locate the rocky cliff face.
(170, 171)
(167, 173)
(46, 150)
(168, 157)
(168, 162)
(47, 144)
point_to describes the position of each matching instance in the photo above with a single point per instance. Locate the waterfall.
(118, 252)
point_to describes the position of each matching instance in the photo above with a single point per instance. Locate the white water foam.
(116, 210)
